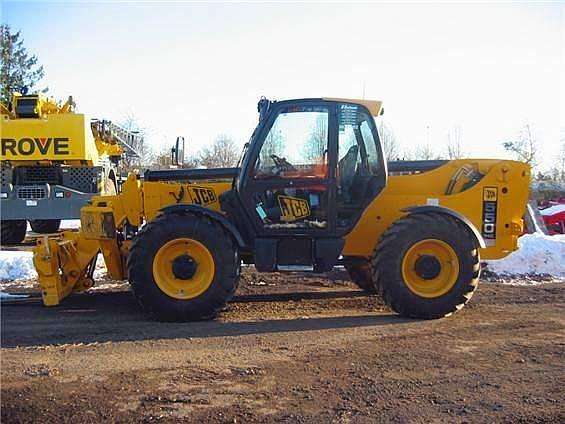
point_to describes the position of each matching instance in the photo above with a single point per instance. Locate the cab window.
(358, 155)
(373, 157)
(296, 145)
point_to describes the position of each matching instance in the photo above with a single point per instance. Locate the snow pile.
(537, 254)
(70, 224)
(18, 265)
(552, 210)
(15, 265)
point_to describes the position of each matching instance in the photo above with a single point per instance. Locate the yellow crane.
(53, 160)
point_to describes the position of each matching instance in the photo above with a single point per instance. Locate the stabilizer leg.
(64, 266)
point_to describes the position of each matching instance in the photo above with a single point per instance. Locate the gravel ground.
(289, 348)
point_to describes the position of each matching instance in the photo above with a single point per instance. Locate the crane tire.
(13, 231)
(426, 265)
(362, 275)
(45, 226)
(204, 281)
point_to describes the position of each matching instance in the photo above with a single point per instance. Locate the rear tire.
(413, 291)
(45, 226)
(362, 275)
(154, 286)
(13, 232)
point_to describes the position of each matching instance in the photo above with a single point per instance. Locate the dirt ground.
(287, 349)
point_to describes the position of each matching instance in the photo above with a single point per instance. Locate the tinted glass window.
(296, 145)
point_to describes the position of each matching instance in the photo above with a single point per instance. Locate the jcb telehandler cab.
(312, 191)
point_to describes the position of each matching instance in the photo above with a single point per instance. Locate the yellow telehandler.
(312, 190)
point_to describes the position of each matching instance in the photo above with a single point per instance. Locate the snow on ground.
(18, 265)
(537, 254)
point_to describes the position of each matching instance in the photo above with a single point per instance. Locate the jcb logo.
(293, 208)
(29, 146)
(490, 194)
(202, 196)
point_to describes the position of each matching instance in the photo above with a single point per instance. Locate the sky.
(198, 70)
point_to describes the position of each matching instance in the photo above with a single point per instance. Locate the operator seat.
(347, 167)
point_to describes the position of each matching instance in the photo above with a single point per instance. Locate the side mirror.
(177, 152)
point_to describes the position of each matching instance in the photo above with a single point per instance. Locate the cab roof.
(375, 107)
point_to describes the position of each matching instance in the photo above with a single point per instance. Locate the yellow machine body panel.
(495, 205)
(157, 195)
(138, 203)
(54, 137)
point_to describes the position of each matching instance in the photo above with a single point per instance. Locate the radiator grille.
(29, 193)
(5, 176)
(82, 178)
(38, 175)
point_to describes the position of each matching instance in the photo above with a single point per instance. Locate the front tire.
(183, 267)
(13, 231)
(45, 226)
(426, 265)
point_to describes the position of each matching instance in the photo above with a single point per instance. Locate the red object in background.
(554, 217)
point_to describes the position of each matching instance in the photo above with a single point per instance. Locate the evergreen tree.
(19, 71)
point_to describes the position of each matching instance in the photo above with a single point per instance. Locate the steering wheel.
(282, 164)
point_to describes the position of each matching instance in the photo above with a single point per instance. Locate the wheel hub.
(430, 268)
(427, 267)
(184, 267)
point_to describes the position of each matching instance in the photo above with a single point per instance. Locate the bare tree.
(454, 145)
(390, 145)
(557, 171)
(163, 160)
(145, 159)
(317, 144)
(274, 144)
(524, 146)
(191, 162)
(223, 153)
(424, 152)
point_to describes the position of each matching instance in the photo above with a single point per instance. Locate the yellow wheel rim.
(430, 268)
(183, 268)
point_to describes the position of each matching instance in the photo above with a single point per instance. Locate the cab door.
(361, 172)
(288, 187)
(295, 190)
